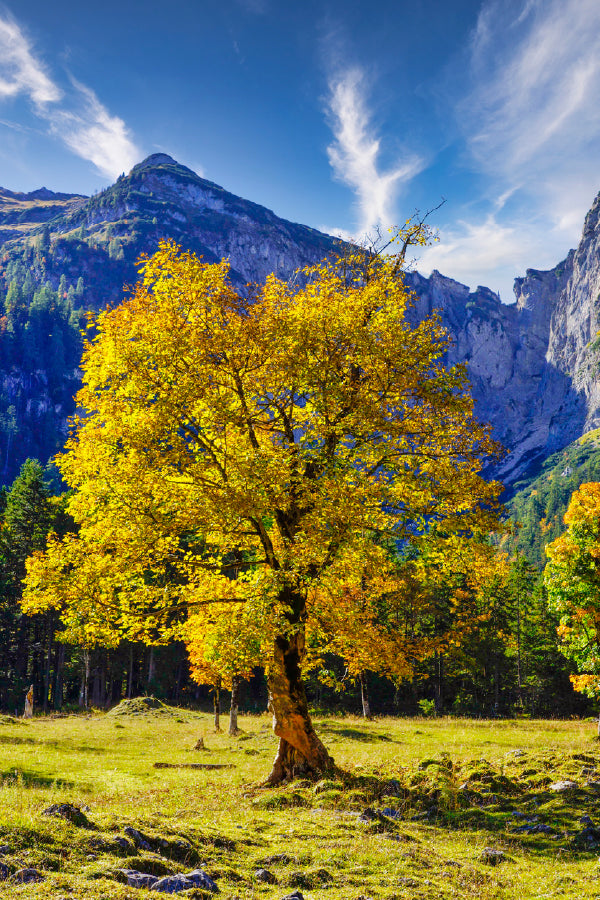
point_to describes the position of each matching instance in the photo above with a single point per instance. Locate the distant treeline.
(509, 664)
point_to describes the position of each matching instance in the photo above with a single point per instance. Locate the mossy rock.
(332, 799)
(149, 865)
(227, 874)
(358, 798)
(427, 763)
(327, 785)
(141, 706)
(310, 880)
(282, 800)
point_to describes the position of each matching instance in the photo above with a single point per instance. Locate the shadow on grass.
(355, 734)
(24, 778)
(55, 745)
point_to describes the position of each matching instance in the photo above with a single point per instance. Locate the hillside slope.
(531, 364)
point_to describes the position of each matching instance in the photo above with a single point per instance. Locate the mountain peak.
(154, 160)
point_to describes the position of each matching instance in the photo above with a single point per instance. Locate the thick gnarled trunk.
(300, 751)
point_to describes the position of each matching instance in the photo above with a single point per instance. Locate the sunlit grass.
(310, 836)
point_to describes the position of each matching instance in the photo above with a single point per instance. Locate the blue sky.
(340, 115)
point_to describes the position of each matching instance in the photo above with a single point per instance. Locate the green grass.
(456, 786)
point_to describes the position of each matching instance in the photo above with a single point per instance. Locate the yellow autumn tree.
(572, 579)
(303, 430)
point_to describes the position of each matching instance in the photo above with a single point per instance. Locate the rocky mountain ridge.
(531, 364)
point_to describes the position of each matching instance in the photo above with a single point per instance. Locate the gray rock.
(4, 871)
(535, 828)
(70, 813)
(27, 876)
(201, 880)
(140, 840)
(136, 879)
(265, 876)
(588, 838)
(295, 895)
(561, 787)
(123, 844)
(585, 820)
(391, 813)
(368, 815)
(172, 884)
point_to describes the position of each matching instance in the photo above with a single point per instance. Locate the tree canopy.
(264, 464)
(572, 578)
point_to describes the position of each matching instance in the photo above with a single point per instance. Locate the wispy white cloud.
(354, 154)
(487, 252)
(20, 72)
(92, 133)
(538, 81)
(342, 233)
(531, 125)
(79, 119)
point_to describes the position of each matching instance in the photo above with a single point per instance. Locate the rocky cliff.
(531, 364)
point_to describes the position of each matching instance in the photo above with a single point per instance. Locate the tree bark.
(130, 679)
(217, 704)
(59, 665)
(48, 663)
(439, 684)
(151, 669)
(85, 677)
(236, 683)
(300, 751)
(364, 696)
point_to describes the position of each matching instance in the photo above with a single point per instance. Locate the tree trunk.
(364, 696)
(439, 684)
(236, 684)
(58, 676)
(130, 678)
(151, 669)
(519, 673)
(300, 751)
(496, 685)
(48, 665)
(85, 677)
(217, 704)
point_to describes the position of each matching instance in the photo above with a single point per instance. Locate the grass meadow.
(435, 794)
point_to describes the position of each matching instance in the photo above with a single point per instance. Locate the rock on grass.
(561, 787)
(27, 876)
(70, 813)
(493, 857)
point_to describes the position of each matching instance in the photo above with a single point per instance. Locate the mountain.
(532, 364)
(20, 214)
(62, 255)
(538, 504)
(162, 199)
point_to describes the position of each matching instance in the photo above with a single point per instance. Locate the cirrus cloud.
(78, 118)
(354, 153)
